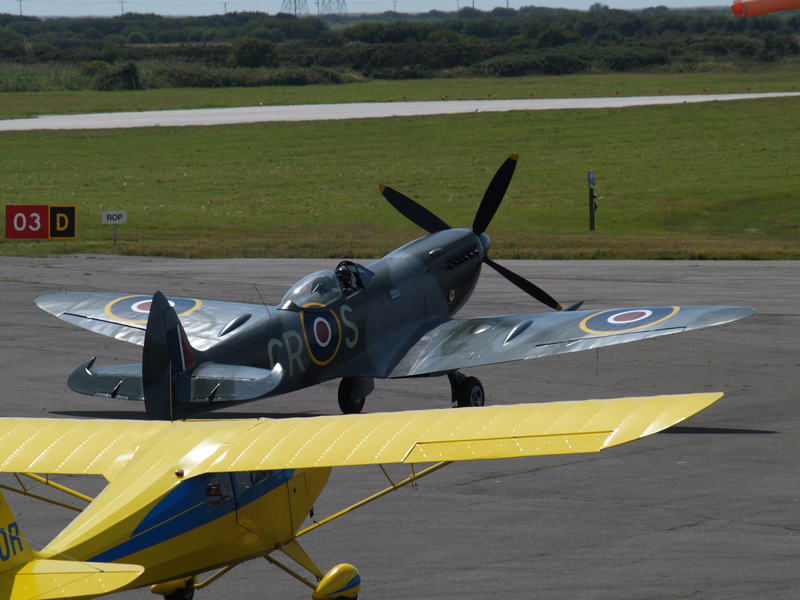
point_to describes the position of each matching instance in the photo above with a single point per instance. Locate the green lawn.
(715, 180)
(777, 79)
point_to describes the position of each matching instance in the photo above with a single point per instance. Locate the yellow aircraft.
(188, 498)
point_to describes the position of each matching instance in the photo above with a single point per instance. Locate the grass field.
(778, 79)
(715, 180)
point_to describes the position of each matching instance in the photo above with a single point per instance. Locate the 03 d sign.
(40, 221)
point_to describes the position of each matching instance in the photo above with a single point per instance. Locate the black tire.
(471, 392)
(184, 593)
(348, 405)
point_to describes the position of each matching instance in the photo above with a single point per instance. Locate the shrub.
(273, 35)
(777, 46)
(124, 77)
(555, 36)
(94, 67)
(43, 51)
(92, 33)
(252, 52)
(184, 75)
(137, 37)
(12, 44)
(539, 63)
(621, 58)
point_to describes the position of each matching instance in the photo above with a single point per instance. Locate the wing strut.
(26, 491)
(395, 486)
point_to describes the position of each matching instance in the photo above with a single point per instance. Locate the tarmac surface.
(327, 112)
(708, 509)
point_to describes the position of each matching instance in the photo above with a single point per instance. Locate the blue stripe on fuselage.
(184, 509)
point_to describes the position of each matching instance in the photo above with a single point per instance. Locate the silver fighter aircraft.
(392, 318)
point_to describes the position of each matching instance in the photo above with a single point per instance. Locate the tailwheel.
(342, 582)
(466, 391)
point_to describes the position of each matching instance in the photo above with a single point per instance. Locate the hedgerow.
(202, 51)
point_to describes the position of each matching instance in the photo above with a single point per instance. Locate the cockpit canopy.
(318, 289)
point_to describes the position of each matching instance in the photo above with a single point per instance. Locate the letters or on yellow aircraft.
(394, 318)
(189, 498)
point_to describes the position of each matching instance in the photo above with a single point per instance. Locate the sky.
(110, 8)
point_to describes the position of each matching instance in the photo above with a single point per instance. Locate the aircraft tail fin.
(178, 381)
(167, 354)
(24, 576)
(14, 550)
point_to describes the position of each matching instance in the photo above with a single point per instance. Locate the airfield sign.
(40, 221)
(114, 217)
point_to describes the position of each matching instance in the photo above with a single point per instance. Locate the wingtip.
(381, 187)
(514, 157)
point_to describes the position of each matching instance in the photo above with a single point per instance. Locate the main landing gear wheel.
(466, 391)
(353, 391)
(184, 593)
(350, 406)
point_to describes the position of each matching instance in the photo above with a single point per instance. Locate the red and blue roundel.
(136, 309)
(323, 334)
(626, 319)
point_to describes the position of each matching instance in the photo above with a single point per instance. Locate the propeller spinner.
(421, 216)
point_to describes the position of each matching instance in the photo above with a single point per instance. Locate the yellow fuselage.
(155, 514)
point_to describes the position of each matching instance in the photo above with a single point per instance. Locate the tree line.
(258, 49)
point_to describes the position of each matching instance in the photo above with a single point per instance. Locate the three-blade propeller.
(421, 216)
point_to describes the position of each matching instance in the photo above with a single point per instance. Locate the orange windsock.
(752, 8)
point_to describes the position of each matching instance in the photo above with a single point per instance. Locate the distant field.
(779, 79)
(715, 180)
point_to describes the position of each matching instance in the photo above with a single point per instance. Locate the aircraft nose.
(485, 243)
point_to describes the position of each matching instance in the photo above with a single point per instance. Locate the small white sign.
(114, 217)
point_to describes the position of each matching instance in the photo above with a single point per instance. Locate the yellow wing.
(70, 446)
(104, 447)
(455, 434)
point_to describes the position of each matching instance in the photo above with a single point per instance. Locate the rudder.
(167, 354)
(14, 550)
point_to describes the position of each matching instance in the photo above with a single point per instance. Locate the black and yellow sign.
(62, 222)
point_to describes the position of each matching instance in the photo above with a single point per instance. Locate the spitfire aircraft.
(189, 498)
(393, 318)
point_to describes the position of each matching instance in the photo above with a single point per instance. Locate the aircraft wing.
(462, 343)
(105, 446)
(207, 322)
(71, 446)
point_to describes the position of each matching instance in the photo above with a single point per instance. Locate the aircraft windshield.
(321, 287)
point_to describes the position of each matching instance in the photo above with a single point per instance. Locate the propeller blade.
(494, 195)
(523, 284)
(412, 211)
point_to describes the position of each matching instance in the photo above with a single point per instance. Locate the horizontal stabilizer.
(210, 382)
(119, 381)
(63, 579)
